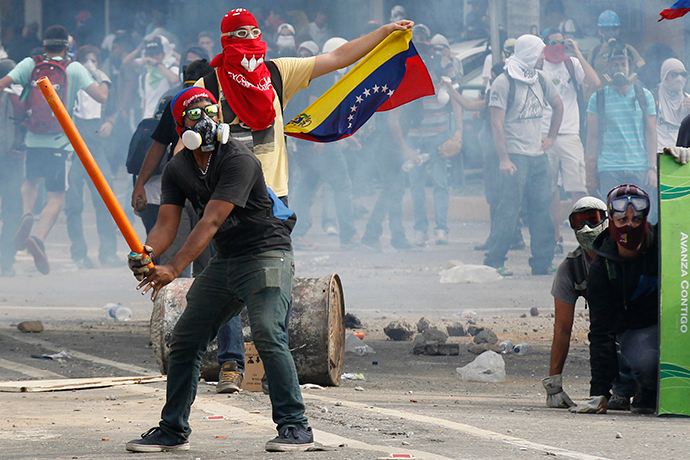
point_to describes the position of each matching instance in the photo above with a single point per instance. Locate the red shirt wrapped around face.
(242, 74)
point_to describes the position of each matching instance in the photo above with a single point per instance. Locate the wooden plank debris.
(35, 386)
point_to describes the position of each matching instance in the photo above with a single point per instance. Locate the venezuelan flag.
(391, 75)
(677, 10)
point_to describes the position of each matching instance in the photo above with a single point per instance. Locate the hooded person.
(397, 13)
(522, 65)
(623, 297)
(285, 41)
(674, 103)
(517, 100)
(252, 96)
(588, 220)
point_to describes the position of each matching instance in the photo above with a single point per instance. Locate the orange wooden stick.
(90, 165)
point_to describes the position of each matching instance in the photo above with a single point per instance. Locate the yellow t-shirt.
(296, 75)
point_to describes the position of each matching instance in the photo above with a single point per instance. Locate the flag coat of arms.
(391, 75)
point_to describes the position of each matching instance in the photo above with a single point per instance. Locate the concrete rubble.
(399, 330)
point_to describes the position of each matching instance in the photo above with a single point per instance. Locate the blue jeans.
(530, 186)
(437, 169)
(74, 199)
(640, 351)
(262, 283)
(231, 343)
(610, 179)
(327, 166)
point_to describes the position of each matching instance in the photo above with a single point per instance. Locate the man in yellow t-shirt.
(250, 103)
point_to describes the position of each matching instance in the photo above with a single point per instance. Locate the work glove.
(555, 396)
(595, 405)
(138, 262)
(680, 154)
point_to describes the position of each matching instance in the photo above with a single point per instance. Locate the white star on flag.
(350, 118)
(384, 88)
(390, 93)
(359, 99)
(367, 93)
(376, 88)
(353, 108)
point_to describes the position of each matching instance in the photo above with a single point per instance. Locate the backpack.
(580, 98)
(139, 146)
(601, 109)
(39, 117)
(511, 89)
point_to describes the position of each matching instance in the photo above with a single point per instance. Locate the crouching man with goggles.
(623, 297)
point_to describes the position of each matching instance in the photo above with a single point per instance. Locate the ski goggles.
(243, 33)
(591, 218)
(619, 204)
(195, 113)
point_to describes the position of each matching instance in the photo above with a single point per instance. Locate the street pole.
(494, 37)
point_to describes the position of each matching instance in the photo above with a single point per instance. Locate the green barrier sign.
(674, 193)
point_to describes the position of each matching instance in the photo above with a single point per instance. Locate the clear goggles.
(243, 33)
(619, 204)
(591, 218)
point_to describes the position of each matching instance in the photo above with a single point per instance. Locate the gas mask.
(205, 134)
(586, 235)
(620, 79)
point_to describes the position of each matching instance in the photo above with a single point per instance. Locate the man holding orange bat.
(250, 228)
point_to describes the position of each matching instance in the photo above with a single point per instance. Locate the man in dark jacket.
(623, 295)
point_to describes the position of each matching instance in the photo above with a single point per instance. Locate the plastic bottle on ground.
(521, 349)
(118, 312)
(506, 347)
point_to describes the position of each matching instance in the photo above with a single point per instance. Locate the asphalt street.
(405, 404)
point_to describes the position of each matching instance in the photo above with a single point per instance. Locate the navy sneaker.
(291, 439)
(155, 440)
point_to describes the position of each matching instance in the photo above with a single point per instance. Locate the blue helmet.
(609, 19)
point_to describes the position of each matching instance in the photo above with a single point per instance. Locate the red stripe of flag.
(673, 14)
(416, 83)
(677, 10)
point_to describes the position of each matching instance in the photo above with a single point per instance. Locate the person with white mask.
(588, 220)
(285, 41)
(518, 97)
(673, 103)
